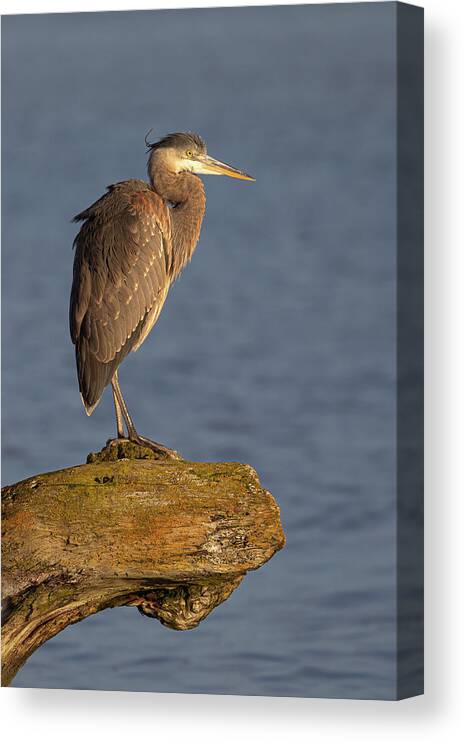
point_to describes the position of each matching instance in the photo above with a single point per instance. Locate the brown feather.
(129, 250)
(126, 235)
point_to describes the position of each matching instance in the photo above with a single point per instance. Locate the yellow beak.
(209, 166)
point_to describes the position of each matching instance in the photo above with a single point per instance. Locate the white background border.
(76, 715)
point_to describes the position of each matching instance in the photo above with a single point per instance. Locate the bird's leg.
(133, 435)
(118, 411)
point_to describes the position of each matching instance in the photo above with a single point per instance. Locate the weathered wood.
(173, 538)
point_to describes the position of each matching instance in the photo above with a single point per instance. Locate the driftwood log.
(172, 537)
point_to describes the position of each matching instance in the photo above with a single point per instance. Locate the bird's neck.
(186, 193)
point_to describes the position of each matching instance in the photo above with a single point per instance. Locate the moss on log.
(172, 537)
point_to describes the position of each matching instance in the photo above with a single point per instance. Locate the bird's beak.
(209, 166)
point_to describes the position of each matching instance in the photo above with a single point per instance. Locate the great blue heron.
(133, 244)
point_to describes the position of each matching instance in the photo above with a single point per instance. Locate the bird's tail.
(89, 408)
(93, 375)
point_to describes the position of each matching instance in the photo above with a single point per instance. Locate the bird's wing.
(120, 277)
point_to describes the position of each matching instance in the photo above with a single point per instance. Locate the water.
(275, 348)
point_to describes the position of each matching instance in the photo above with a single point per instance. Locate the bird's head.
(187, 152)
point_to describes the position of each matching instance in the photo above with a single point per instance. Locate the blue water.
(277, 345)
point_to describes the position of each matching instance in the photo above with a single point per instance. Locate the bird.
(132, 245)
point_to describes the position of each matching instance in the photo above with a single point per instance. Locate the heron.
(132, 245)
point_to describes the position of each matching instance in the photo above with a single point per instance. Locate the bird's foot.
(162, 452)
(136, 448)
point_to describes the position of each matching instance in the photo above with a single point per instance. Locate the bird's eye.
(189, 153)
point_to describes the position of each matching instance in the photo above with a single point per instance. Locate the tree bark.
(172, 537)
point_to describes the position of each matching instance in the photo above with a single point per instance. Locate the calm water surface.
(275, 348)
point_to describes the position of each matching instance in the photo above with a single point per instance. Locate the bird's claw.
(163, 452)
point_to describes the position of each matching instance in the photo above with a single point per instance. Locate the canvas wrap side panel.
(410, 344)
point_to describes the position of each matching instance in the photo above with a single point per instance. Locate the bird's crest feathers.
(177, 140)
